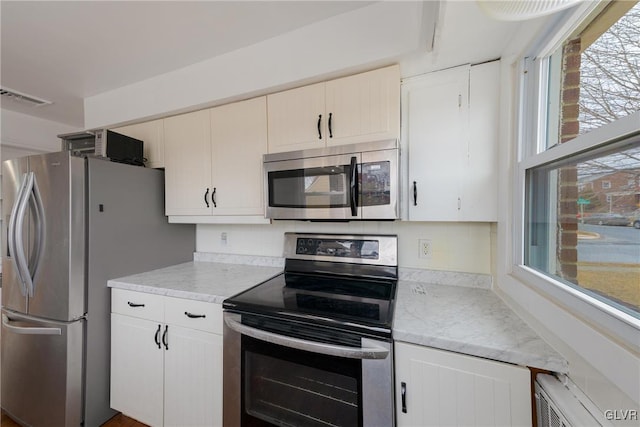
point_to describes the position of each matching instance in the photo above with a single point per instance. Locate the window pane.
(594, 78)
(583, 223)
(610, 72)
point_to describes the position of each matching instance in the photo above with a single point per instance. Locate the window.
(577, 162)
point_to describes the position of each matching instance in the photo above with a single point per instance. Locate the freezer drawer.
(42, 374)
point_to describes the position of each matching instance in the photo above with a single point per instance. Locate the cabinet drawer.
(138, 304)
(204, 316)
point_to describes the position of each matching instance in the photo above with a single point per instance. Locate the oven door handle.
(372, 352)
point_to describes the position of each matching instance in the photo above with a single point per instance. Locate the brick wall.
(567, 232)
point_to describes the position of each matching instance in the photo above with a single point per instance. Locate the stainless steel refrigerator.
(68, 225)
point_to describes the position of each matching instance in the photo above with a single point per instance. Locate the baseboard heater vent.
(564, 405)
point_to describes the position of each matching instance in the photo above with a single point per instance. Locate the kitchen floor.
(117, 421)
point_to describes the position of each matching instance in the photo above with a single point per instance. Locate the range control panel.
(343, 248)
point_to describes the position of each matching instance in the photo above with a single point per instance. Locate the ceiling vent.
(22, 98)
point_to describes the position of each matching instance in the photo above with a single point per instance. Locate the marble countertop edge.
(552, 363)
(197, 296)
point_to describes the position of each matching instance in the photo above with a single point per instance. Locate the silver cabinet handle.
(6, 322)
(19, 255)
(11, 238)
(30, 197)
(40, 222)
(311, 346)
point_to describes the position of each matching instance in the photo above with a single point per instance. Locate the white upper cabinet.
(213, 168)
(296, 119)
(359, 108)
(238, 141)
(364, 107)
(188, 186)
(435, 120)
(152, 135)
(480, 190)
(450, 127)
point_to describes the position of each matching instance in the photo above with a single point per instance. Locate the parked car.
(606, 219)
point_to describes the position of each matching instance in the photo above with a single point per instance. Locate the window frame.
(532, 152)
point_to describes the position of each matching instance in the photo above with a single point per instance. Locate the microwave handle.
(353, 185)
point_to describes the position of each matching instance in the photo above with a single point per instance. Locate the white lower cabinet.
(166, 359)
(438, 388)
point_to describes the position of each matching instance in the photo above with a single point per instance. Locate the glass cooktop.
(342, 302)
(344, 281)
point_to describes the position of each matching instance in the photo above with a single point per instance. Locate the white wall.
(463, 247)
(361, 39)
(22, 135)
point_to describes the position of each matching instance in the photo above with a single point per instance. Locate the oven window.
(288, 387)
(323, 187)
(375, 184)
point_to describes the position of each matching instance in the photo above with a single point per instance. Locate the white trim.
(564, 26)
(601, 316)
(620, 129)
(218, 219)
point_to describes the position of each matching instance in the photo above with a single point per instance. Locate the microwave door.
(379, 184)
(318, 188)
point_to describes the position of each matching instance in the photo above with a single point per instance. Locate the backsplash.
(448, 278)
(455, 246)
(436, 277)
(262, 261)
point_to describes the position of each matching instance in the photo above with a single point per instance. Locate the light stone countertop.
(446, 310)
(197, 280)
(469, 320)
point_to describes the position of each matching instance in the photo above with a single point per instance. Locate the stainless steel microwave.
(340, 183)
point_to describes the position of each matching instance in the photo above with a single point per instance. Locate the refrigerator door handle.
(40, 224)
(11, 238)
(19, 255)
(28, 330)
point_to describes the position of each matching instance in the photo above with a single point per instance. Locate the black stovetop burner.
(349, 288)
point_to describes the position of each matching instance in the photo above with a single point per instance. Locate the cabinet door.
(364, 107)
(436, 121)
(444, 388)
(152, 134)
(238, 141)
(188, 164)
(136, 369)
(193, 378)
(479, 190)
(293, 117)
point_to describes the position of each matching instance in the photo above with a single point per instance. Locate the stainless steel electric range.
(312, 346)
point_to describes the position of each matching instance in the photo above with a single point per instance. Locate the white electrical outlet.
(425, 248)
(223, 238)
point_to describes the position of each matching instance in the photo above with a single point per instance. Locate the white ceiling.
(64, 51)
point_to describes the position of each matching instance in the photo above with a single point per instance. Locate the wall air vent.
(22, 98)
(564, 405)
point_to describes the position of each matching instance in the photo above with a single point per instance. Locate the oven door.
(272, 379)
(324, 188)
